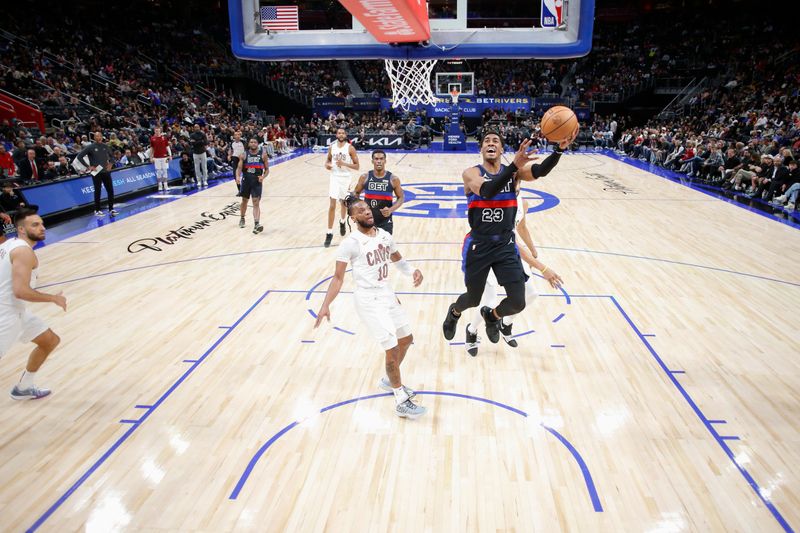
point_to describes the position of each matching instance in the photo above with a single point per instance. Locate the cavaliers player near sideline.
(18, 273)
(160, 155)
(378, 185)
(342, 157)
(491, 244)
(370, 250)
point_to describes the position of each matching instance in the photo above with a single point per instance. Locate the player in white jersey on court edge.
(370, 250)
(342, 157)
(18, 272)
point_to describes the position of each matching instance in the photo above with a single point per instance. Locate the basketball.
(559, 123)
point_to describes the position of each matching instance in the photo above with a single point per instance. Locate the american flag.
(279, 18)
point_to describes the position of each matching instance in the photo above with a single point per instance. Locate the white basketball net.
(411, 82)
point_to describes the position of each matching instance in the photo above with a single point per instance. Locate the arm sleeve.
(490, 188)
(544, 168)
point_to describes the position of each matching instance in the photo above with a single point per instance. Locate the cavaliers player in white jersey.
(342, 157)
(529, 256)
(18, 273)
(370, 250)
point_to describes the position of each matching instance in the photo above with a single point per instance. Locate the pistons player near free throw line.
(370, 250)
(490, 244)
(378, 185)
(342, 156)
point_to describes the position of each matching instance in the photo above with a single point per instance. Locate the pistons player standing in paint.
(378, 185)
(490, 244)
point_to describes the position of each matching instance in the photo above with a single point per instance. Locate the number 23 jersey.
(492, 216)
(369, 257)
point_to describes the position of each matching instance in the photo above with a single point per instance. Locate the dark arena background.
(651, 382)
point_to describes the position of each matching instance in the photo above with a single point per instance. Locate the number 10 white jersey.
(369, 257)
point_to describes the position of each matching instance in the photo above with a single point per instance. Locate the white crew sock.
(330, 232)
(400, 395)
(341, 221)
(472, 329)
(26, 381)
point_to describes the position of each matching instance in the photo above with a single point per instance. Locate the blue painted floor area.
(754, 205)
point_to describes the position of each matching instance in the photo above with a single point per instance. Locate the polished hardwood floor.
(659, 392)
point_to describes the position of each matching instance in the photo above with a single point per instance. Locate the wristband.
(545, 269)
(404, 267)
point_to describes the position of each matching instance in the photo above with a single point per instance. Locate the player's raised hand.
(566, 142)
(522, 157)
(324, 312)
(417, 277)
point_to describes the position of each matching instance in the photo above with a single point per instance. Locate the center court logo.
(447, 200)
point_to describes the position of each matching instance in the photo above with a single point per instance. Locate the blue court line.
(314, 288)
(729, 437)
(126, 421)
(224, 327)
(717, 421)
(523, 333)
(559, 317)
(682, 180)
(143, 406)
(557, 346)
(677, 371)
(190, 360)
(587, 477)
(113, 448)
(316, 247)
(308, 342)
(705, 421)
(648, 334)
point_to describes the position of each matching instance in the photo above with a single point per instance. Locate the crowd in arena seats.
(495, 78)
(740, 135)
(310, 78)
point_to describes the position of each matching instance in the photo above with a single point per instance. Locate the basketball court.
(657, 392)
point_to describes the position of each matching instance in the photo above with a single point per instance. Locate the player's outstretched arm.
(333, 291)
(403, 266)
(524, 232)
(550, 275)
(22, 263)
(533, 171)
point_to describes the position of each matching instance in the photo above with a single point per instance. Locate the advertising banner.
(78, 192)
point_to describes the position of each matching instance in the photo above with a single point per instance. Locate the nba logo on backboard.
(552, 11)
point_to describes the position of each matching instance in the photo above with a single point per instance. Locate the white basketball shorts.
(22, 327)
(383, 316)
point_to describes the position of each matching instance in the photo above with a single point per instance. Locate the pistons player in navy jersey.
(378, 185)
(253, 168)
(490, 244)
